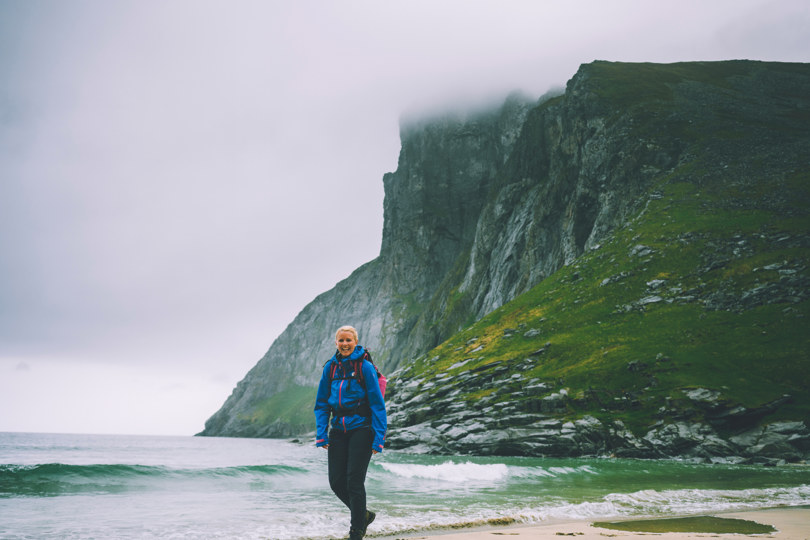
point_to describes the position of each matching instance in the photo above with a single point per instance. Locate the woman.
(349, 391)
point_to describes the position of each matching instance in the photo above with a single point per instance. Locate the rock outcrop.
(429, 421)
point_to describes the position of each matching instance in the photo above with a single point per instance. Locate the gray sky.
(174, 176)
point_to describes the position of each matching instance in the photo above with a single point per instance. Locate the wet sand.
(790, 523)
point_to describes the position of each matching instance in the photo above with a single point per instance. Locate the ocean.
(116, 486)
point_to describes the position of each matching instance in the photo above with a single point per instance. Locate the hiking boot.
(369, 518)
(354, 534)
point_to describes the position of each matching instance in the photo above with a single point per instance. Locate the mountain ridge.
(482, 210)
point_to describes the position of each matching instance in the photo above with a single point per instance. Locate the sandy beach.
(790, 524)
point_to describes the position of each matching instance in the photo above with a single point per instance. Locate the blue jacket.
(346, 392)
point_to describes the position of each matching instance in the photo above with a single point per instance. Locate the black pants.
(349, 455)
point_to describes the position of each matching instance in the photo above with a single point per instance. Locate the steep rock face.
(574, 175)
(433, 203)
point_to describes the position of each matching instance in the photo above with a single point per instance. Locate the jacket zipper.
(340, 395)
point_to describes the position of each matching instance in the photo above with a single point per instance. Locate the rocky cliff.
(496, 207)
(447, 167)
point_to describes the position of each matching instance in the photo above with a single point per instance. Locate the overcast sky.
(178, 179)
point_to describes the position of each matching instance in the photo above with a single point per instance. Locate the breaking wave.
(473, 472)
(61, 478)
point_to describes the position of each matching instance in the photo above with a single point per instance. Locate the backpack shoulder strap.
(358, 367)
(332, 369)
(358, 371)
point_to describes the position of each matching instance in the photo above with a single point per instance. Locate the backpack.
(357, 366)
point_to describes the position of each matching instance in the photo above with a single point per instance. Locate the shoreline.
(791, 523)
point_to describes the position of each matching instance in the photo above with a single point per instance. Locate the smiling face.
(346, 342)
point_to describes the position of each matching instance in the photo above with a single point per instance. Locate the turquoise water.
(100, 486)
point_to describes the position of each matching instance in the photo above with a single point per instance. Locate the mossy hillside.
(626, 328)
(293, 405)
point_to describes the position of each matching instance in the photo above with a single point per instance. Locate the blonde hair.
(347, 329)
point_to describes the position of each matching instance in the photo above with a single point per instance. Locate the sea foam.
(450, 472)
